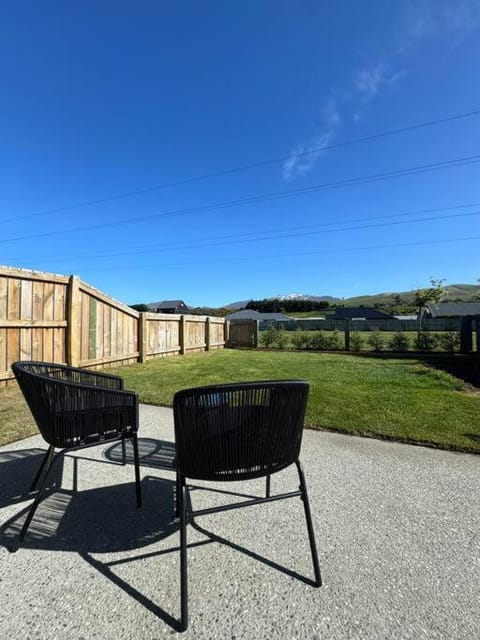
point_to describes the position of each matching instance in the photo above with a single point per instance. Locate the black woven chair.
(75, 408)
(238, 432)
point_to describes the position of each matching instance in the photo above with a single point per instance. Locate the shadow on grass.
(463, 366)
(466, 367)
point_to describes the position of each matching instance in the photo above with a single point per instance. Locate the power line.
(397, 173)
(289, 255)
(245, 167)
(294, 232)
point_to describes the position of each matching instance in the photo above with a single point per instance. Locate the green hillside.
(455, 293)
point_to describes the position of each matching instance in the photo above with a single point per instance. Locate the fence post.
(347, 334)
(226, 334)
(142, 337)
(207, 334)
(181, 335)
(72, 333)
(466, 335)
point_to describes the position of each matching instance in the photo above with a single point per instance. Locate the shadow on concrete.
(100, 520)
(17, 471)
(157, 454)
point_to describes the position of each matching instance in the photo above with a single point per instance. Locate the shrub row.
(398, 342)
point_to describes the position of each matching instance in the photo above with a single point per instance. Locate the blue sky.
(99, 100)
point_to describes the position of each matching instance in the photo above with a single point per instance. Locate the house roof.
(251, 314)
(454, 309)
(244, 314)
(169, 304)
(344, 313)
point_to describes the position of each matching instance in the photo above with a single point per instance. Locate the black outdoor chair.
(236, 432)
(75, 408)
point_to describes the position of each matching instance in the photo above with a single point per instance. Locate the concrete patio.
(397, 529)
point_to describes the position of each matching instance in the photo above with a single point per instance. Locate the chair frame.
(183, 503)
(83, 383)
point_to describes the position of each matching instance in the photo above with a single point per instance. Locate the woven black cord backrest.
(73, 407)
(239, 431)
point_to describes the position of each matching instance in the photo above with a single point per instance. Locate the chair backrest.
(66, 403)
(38, 389)
(239, 431)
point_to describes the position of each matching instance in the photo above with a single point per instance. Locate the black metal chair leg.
(49, 462)
(178, 489)
(136, 459)
(124, 452)
(183, 556)
(267, 489)
(38, 475)
(308, 518)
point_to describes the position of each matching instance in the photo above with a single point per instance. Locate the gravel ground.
(397, 530)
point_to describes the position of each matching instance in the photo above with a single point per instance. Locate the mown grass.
(401, 399)
(16, 421)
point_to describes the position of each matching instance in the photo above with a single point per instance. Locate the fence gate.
(243, 333)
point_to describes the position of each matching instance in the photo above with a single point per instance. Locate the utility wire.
(245, 167)
(274, 235)
(287, 255)
(397, 173)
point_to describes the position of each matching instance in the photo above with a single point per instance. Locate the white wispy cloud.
(369, 80)
(303, 157)
(425, 19)
(420, 22)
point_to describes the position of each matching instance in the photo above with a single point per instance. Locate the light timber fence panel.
(33, 319)
(194, 337)
(61, 319)
(217, 328)
(161, 335)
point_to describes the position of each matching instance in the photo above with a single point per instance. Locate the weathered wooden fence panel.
(61, 319)
(243, 333)
(108, 329)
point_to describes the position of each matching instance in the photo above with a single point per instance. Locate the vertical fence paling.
(58, 318)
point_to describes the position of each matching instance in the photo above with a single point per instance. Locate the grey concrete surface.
(397, 531)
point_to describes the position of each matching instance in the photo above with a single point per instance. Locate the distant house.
(360, 313)
(251, 314)
(243, 314)
(453, 310)
(169, 306)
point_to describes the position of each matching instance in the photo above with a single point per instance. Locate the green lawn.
(401, 399)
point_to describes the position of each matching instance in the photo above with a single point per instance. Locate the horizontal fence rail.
(61, 319)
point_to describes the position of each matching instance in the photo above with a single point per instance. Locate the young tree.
(430, 295)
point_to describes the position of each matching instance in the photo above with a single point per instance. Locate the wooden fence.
(61, 319)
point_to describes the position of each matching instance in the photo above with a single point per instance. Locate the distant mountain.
(455, 293)
(305, 296)
(235, 306)
(290, 296)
